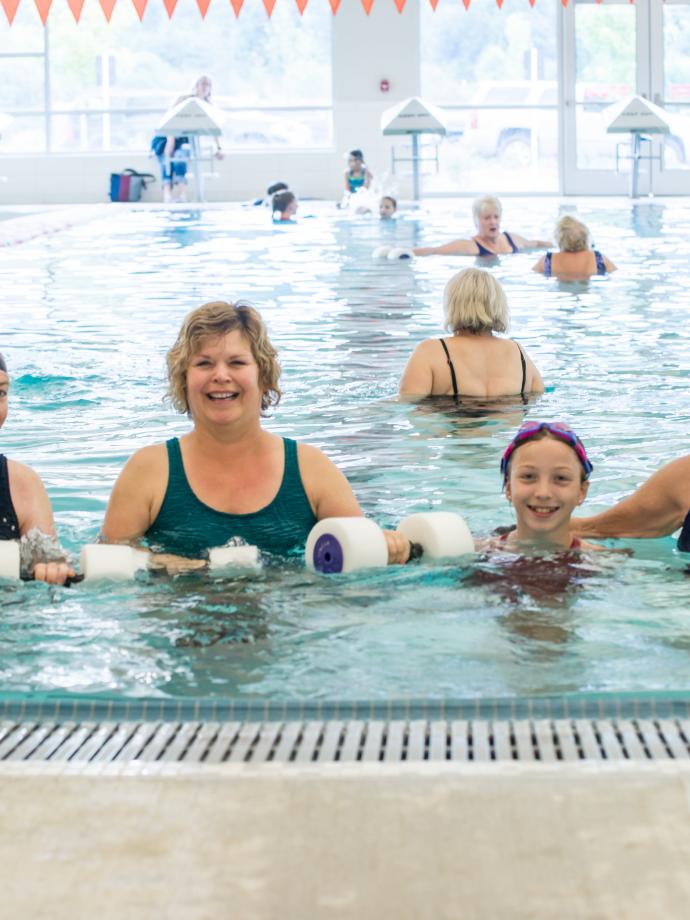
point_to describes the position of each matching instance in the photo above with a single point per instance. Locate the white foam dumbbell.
(110, 560)
(381, 252)
(10, 562)
(400, 254)
(345, 545)
(441, 534)
(231, 558)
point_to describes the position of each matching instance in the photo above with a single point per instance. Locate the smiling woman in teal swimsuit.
(489, 240)
(227, 477)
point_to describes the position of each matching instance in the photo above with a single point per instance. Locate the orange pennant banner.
(236, 6)
(107, 6)
(269, 6)
(10, 8)
(43, 7)
(367, 4)
(434, 4)
(466, 4)
(400, 5)
(532, 2)
(140, 7)
(499, 3)
(334, 5)
(76, 6)
(301, 5)
(203, 7)
(169, 7)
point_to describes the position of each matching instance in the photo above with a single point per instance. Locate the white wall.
(366, 49)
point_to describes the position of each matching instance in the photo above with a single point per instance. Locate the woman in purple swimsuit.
(489, 240)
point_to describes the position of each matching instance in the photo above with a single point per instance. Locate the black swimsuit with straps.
(454, 379)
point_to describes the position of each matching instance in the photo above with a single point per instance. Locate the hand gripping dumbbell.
(104, 560)
(352, 543)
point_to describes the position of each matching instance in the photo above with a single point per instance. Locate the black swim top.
(454, 379)
(9, 523)
(601, 265)
(483, 251)
(684, 538)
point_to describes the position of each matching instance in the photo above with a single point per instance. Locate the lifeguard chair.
(193, 118)
(413, 117)
(638, 117)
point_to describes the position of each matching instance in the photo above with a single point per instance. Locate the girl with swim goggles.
(545, 471)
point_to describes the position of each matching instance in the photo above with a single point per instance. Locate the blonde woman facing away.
(489, 240)
(576, 258)
(473, 361)
(228, 476)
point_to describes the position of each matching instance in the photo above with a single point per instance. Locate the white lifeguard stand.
(193, 118)
(5, 120)
(638, 117)
(413, 117)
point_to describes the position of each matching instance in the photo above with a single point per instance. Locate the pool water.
(88, 315)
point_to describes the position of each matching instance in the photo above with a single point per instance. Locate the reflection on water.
(86, 340)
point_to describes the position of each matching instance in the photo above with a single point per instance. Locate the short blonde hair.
(474, 301)
(571, 234)
(209, 322)
(483, 204)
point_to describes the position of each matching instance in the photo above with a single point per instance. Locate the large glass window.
(108, 84)
(494, 72)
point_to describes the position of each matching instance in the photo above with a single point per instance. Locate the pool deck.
(567, 840)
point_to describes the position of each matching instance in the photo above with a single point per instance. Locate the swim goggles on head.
(560, 430)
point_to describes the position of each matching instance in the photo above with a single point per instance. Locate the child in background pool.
(356, 175)
(284, 206)
(545, 472)
(25, 507)
(387, 207)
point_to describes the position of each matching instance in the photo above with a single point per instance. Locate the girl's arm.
(418, 376)
(367, 178)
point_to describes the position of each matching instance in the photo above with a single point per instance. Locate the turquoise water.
(88, 314)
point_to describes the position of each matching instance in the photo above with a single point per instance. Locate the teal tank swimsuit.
(187, 527)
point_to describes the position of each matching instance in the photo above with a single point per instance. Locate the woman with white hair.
(576, 258)
(489, 240)
(473, 361)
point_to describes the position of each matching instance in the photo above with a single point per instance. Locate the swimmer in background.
(387, 207)
(473, 361)
(656, 509)
(227, 477)
(489, 240)
(357, 175)
(270, 192)
(545, 472)
(576, 259)
(25, 506)
(284, 206)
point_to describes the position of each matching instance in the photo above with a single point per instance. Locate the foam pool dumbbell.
(232, 558)
(381, 252)
(400, 254)
(350, 544)
(10, 561)
(111, 560)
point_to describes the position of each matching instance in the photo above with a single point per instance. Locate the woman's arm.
(530, 244)
(655, 509)
(610, 267)
(331, 495)
(455, 248)
(169, 148)
(418, 376)
(539, 266)
(137, 496)
(533, 375)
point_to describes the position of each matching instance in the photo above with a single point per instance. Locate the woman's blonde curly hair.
(209, 322)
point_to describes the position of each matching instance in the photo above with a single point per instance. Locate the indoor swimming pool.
(90, 312)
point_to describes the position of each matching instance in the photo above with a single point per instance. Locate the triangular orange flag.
(140, 7)
(237, 6)
(466, 4)
(434, 4)
(531, 2)
(269, 6)
(10, 8)
(400, 5)
(43, 7)
(169, 7)
(203, 7)
(76, 6)
(301, 5)
(107, 6)
(367, 4)
(499, 3)
(334, 5)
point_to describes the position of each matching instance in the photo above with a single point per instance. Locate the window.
(109, 84)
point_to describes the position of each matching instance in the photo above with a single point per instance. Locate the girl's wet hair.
(357, 154)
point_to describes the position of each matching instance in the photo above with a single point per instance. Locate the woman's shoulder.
(22, 477)
(148, 459)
